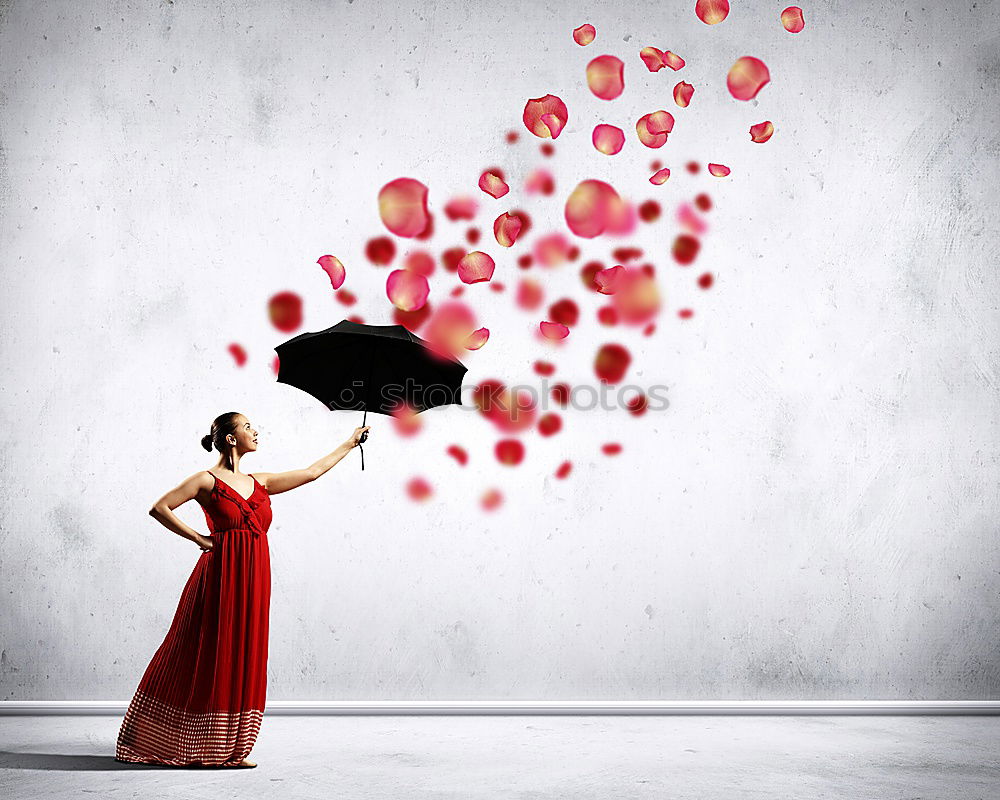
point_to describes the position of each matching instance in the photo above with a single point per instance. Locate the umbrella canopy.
(353, 366)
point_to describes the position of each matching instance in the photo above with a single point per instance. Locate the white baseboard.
(547, 707)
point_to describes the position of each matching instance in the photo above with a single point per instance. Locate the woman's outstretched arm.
(278, 482)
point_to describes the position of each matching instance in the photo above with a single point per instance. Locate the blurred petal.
(549, 424)
(402, 204)
(458, 453)
(552, 250)
(418, 489)
(685, 249)
(491, 499)
(509, 452)
(421, 262)
(611, 448)
(539, 180)
(285, 311)
(636, 299)
(553, 330)
(238, 353)
(747, 77)
(605, 77)
(529, 294)
(461, 208)
(565, 312)
(564, 469)
(611, 362)
(590, 207)
(380, 250)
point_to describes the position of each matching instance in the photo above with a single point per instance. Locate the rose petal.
(652, 58)
(672, 60)
(458, 453)
(544, 367)
(637, 404)
(406, 421)
(509, 452)
(549, 424)
(539, 180)
(747, 77)
(636, 299)
(418, 489)
(607, 279)
(554, 123)
(605, 77)
(506, 228)
(682, 94)
(530, 294)
(553, 330)
(659, 122)
(584, 35)
(711, 12)
(421, 262)
(564, 469)
(461, 208)
(334, 270)
(626, 253)
(449, 327)
(761, 132)
(493, 185)
(719, 170)
(346, 298)
(612, 362)
(607, 315)
(552, 250)
(564, 312)
(509, 410)
(477, 339)
(649, 211)
(561, 394)
(491, 499)
(704, 202)
(659, 177)
(685, 249)
(611, 448)
(538, 107)
(402, 204)
(792, 20)
(706, 280)
(689, 220)
(475, 267)
(238, 353)
(608, 139)
(412, 320)
(591, 207)
(380, 250)
(407, 290)
(285, 311)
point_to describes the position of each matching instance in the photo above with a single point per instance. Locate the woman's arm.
(163, 509)
(278, 482)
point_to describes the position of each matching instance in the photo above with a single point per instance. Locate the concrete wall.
(814, 516)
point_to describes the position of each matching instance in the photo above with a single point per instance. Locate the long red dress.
(201, 699)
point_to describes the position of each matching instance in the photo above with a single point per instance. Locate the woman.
(202, 696)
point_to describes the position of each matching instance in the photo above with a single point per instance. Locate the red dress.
(202, 696)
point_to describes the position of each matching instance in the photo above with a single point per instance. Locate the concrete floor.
(532, 757)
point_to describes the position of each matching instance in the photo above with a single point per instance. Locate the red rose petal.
(747, 77)
(477, 339)
(538, 107)
(406, 421)
(719, 170)
(611, 448)
(584, 35)
(649, 211)
(507, 409)
(380, 250)
(539, 181)
(419, 261)
(412, 320)
(472, 235)
(685, 313)
(605, 77)
(529, 294)
(285, 311)
(491, 499)
(612, 362)
(652, 58)
(672, 60)
(591, 207)
(334, 270)
(449, 327)
(458, 453)
(607, 279)
(402, 204)
(552, 250)
(565, 312)
(461, 208)
(626, 253)
(346, 298)
(761, 132)
(706, 280)
(712, 12)
(553, 330)
(607, 315)
(704, 202)
(238, 353)
(692, 167)
(608, 139)
(544, 367)
(637, 298)
(685, 249)
(451, 257)
(683, 93)
(637, 405)
(506, 228)
(549, 424)
(418, 489)
(660, 177)
(475, 267)
(561, 394)
(493, 185)
(407, 290)
(564, 469)
(588, 272)
(792, 20)
(509, 452)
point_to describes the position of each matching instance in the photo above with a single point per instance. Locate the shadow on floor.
(78, 763)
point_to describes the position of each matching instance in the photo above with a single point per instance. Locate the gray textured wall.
(814, 516)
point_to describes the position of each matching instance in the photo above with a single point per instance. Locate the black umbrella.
(353, 366)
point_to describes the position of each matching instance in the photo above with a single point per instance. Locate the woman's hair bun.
(206, 442)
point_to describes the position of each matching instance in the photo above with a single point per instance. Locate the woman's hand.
(206, 543)
(355, 439)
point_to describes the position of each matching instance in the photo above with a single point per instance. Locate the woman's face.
(246, 436)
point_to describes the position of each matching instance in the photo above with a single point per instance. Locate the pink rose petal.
(475, 267)
(334, 270)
